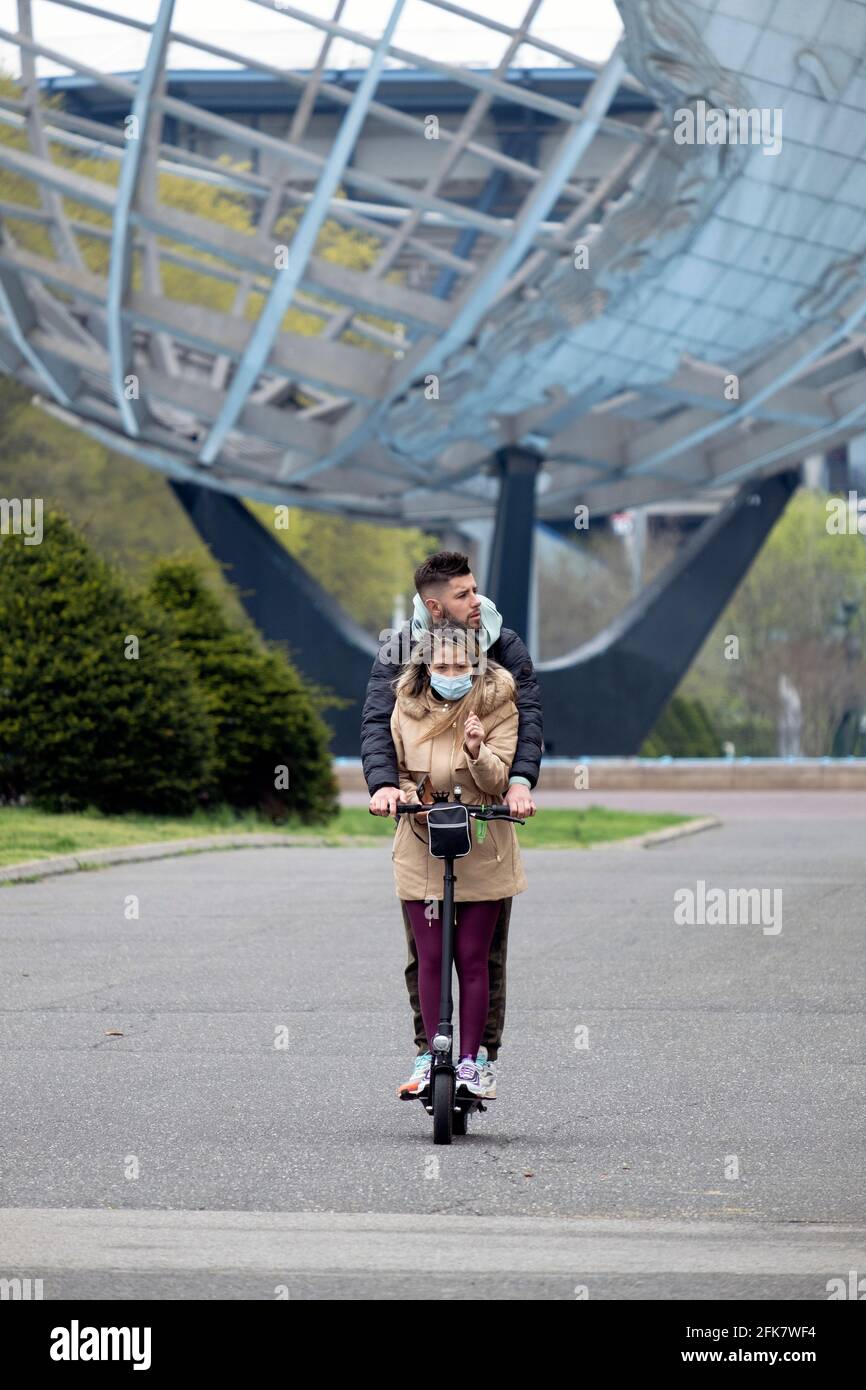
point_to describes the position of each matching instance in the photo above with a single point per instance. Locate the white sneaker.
(487, 1071)
(469, 1078)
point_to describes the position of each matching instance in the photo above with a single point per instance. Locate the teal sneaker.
(419, 1080)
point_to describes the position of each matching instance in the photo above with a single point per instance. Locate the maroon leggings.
(475, 926)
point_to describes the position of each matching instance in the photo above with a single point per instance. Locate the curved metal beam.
(764, 393)
(21, 319)
(120, 265)
(287, 281)
(174, 467)
(482, 292)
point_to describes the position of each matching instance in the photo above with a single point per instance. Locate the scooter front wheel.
(443, 1106)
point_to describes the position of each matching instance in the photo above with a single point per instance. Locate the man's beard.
(450, 617)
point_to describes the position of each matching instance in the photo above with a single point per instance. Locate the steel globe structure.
(598, 325)
(490, 286)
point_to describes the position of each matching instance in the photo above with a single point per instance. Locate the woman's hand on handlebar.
(384, 802)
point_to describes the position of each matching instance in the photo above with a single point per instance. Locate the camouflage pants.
(492, 1036)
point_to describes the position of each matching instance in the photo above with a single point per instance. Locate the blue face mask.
(451, 687)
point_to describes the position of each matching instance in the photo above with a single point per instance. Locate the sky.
(587, 27)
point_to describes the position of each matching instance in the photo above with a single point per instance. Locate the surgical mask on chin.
(451, 687)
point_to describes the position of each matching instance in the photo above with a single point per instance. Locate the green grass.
(29, 834)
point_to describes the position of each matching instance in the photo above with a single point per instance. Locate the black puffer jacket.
(378, 756)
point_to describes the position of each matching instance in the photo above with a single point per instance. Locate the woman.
(455, 724)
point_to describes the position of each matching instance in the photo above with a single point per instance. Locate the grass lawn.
(29, 834)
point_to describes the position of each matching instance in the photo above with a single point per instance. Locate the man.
(447, 592)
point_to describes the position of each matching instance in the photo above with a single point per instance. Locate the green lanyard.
(480, 828)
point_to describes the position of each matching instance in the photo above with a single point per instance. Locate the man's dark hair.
(438, 569)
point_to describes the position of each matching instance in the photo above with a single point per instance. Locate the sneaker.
(487, 1070)
(420, 1078)
(469, 1077)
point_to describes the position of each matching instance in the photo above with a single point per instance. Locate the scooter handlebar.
(497, 812)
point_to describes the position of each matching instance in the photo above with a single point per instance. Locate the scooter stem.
(446, 1000)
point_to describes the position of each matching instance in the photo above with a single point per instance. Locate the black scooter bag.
(448, 831)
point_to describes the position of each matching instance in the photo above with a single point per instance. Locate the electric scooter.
(450, 837)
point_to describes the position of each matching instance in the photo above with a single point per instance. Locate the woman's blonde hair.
(413, 681)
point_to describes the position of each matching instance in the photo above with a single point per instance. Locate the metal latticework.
(351, 305)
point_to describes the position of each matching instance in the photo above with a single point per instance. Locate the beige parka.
(493, 868)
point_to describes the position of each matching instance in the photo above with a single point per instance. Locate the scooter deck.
(459, 1101)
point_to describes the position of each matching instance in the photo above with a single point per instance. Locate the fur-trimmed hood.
(497, 686)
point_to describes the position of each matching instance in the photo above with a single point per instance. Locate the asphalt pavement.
(198, 1059)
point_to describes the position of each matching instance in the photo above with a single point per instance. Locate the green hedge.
(266, 730)
(82, 720)
(200, 713)
(683, 730)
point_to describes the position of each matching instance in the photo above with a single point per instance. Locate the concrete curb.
(661, 837)
(131, 854)
(34, 869)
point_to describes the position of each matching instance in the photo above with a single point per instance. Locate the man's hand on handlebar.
(519, 800)
(384, 801)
